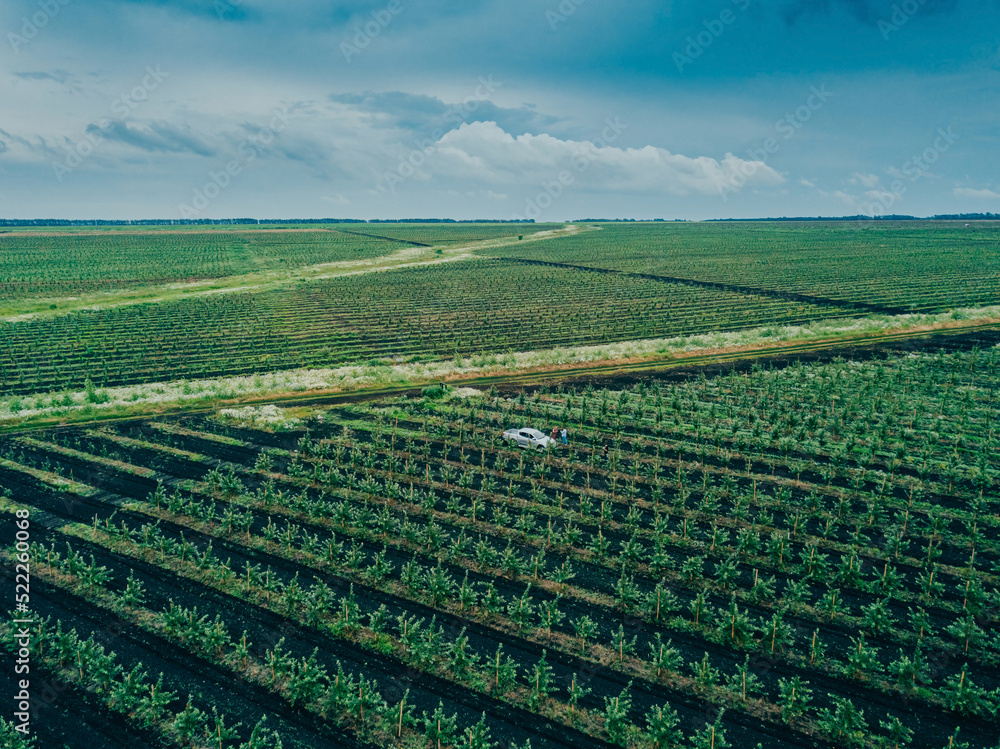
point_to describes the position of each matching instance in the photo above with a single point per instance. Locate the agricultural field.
(129, 307)
(478, 306)
(62, 264)
(901, 266)
(57, 263)
(805, 555)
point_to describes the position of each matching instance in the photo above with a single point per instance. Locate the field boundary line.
(736, 288)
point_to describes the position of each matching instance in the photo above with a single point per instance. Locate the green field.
(902, 264)
(262, 311)
(63, 264)
(788, 558)
(795, 552)
(475, 307)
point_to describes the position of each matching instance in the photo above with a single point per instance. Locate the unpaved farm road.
(406, 257)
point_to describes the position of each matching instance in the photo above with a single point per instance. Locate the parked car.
(528, 437)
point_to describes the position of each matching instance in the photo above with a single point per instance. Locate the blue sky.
(552, 109)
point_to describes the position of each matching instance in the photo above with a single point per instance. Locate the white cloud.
(337, 199)
(807, 183)
(847, 199)
(968, 192)
(883, 197)
(483, 151)
(865, 180)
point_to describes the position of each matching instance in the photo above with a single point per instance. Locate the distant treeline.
(447, 221)
(891, 217)
(967, 216)
(223, 221)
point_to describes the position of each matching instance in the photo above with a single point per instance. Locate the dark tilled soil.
(66, 717)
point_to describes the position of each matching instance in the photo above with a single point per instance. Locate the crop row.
(812, 549)
(55, 265)
(486, 306)
(916, 266)
(522, 603)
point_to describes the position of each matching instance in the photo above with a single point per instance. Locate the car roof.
(529, 430)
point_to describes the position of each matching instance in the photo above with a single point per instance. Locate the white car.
(528, 437)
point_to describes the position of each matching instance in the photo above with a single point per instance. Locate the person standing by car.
(555, 434)
(564, 434)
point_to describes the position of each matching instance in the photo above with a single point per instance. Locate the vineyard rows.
(803, 557)
(909, 265)
(480, 307)
(56, 265)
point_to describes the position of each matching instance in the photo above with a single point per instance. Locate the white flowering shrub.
(270, 417)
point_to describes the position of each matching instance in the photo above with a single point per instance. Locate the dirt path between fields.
(407, 257)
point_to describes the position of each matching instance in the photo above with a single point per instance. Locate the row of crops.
(479, 306)
(487, 306)
(63, 263)
(58, 265)
(806, 557)
(919, 266)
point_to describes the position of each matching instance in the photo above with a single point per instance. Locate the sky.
(502, 109)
